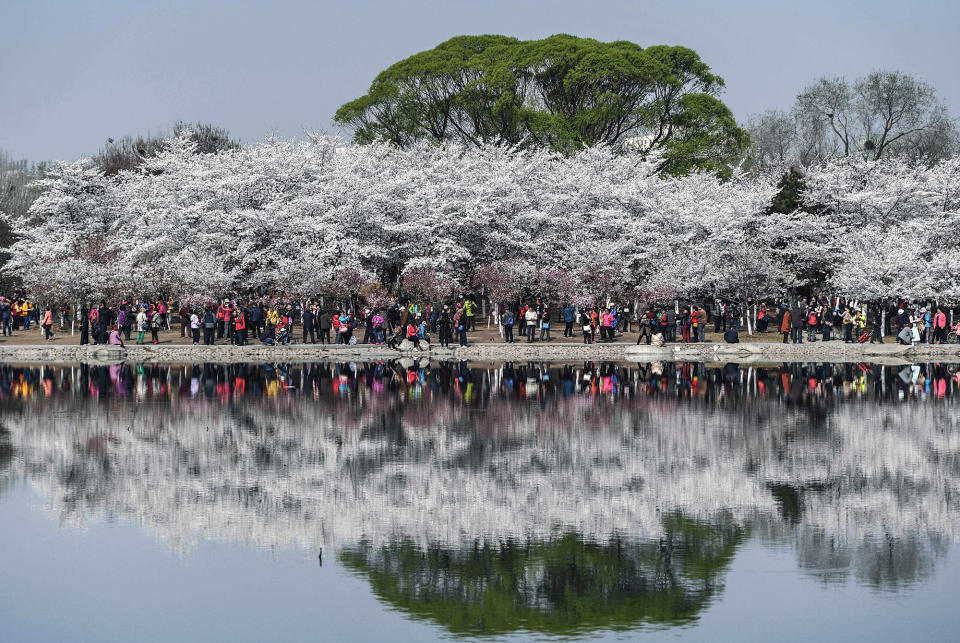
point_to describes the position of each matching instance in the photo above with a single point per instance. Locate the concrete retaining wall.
(485, 352)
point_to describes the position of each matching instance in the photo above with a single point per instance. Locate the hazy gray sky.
(75, 72)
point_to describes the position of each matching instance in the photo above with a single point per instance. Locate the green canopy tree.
(562, 92)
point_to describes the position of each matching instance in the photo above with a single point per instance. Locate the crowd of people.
(236, 321)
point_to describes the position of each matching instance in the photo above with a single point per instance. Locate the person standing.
(184, 314)
(940, 326)
(307, 318)
(545, 324)
(686, 322)
(847, 326)
(531, 318)
(143, 324)
(209, 326)
(195, 327)
(645, 321)
(796, 323)
(255, 319)
(106, 322)
(470, 308)
(121, 318)
(445, 327)
(461, 322)
(164, 318)
(26, 312)
(701, 323)
(378, 328)
(368, 334)
(5, 318)
(323, 323)
(239, 322)
(84, 326)
(812, 326)
(156, 323)
(928, 325)
(508, 321)
(785, 325)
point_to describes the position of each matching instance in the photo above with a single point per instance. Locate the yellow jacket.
(273, 317)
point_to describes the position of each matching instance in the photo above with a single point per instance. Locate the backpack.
(508, 321)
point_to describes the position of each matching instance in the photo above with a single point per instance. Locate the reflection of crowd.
(475, 383)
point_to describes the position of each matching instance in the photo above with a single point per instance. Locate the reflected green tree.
(566, 585)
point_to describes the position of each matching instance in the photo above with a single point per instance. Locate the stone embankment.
(520, 352)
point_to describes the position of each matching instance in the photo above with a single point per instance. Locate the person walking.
(569, 315)
(876, 329)
(47, 323)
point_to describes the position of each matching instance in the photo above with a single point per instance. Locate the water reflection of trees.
(855, 465)
(564, 585)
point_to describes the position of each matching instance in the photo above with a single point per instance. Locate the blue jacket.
(569, 314)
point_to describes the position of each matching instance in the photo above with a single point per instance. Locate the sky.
(74, 73)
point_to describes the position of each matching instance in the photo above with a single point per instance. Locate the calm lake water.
(400, 501)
